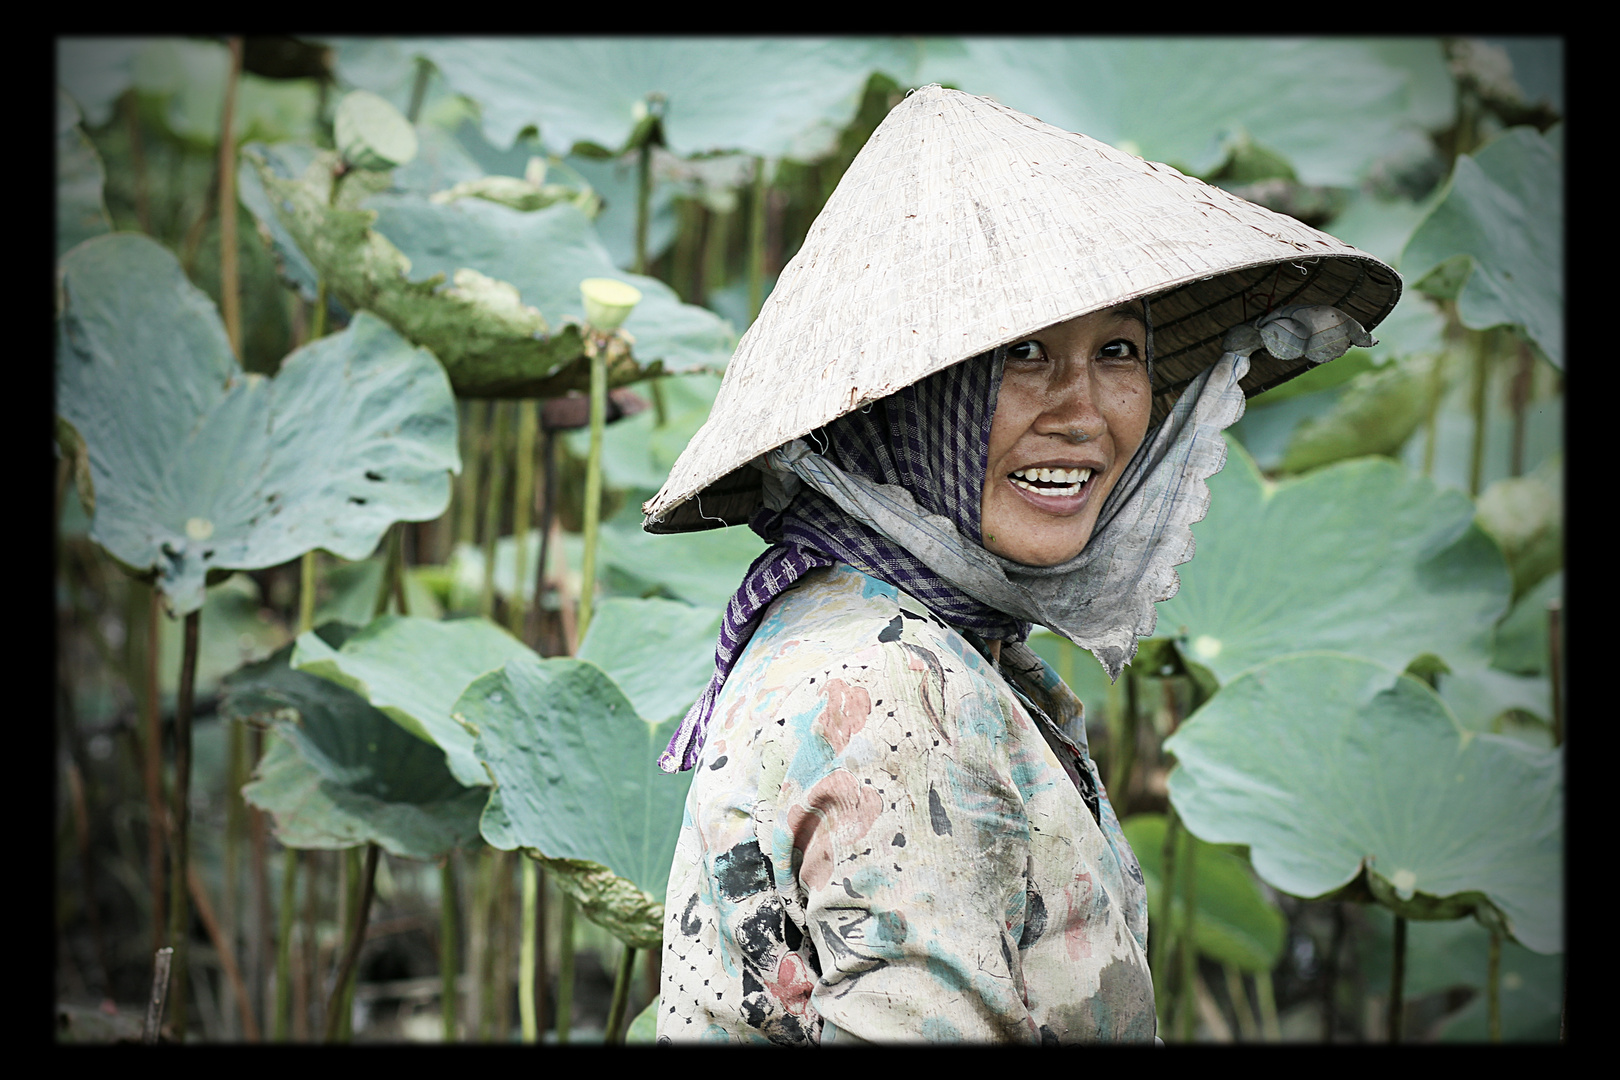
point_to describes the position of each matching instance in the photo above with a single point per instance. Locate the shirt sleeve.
(909, 846)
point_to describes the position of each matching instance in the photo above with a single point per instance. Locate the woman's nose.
(1071, 412)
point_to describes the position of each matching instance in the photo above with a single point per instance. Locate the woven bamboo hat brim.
(963, 225)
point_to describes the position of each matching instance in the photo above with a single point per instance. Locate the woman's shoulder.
(838, 611)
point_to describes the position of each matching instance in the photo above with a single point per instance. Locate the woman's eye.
(1120, 350)
(1026, 350)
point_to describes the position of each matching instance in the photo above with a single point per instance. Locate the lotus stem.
(522, 510)
(227, 953)
(548, 454)
(447, 945)
(418, 89)
(153, 762)
(1166, 941)
(179, 813)
(644, 186)
(526, 1013)
(284, 935)
(472, 435)
(235, 827)
(565, 973)
(1476, 457)
(492, 506)
(614, 1035)
(1493, 989)
(341, 1006)
(756, 242)
(392, 582)
(306, 591)
(1185, 1006)
(1270, 1029)
(230, 287)
(1555, 665)
(593, 485)
(1248, 1030)
(1397, 982)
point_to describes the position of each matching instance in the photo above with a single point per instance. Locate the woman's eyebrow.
(1128, 311)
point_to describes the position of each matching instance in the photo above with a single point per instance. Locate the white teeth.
(1054, 476)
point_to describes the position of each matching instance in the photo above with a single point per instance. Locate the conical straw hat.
(963, 225)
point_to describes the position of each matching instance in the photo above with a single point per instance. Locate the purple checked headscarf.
(932, 439)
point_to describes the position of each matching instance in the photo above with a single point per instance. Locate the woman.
(985, 394)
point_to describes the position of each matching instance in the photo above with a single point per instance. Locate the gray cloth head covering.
(1102, 599)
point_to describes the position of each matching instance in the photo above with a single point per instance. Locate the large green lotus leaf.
(616, 180)
(1521, 637)
(350, 593)
(1502, 220)
(488, 340)
(1359, 556)
(1532, 1002)
(1479, 695)
(233, 629)
(660, 653)
(81, 211)
(644, 1028)
(1330, 107)
(576, 780)
(1375, 413)
(772, 97)
(1526, 515)
(413, 669)
(1234, 922)
(702, 568)
(1444, 956)
(1335, 773)
(192, 74)
(97, 71)
(1454, 430)
(340, 773)
(199, 467)
(546, 254)
(289, 159)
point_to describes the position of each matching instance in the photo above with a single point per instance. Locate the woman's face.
(1073, 407)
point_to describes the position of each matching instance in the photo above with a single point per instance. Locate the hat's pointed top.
(963, 225)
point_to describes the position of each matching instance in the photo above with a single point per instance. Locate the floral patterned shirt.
(888, 840)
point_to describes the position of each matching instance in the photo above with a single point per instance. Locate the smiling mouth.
(1058, 482)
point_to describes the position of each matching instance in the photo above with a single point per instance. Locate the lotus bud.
(371, 134)
(608, 302)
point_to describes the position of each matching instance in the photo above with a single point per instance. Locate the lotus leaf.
(702, 568)
(1498, 239)
(770, 97)
(440, 238)
(1234, 923)
(1521, 637)
(199, 467)
(486, 339)
(1375, 413)
(576, 781)
(350, 593)
(659, 653)
(1526, 516)
(413, 669)
(1331, 108)
(1341, 777)
(1443, 956)
(81, 211)
(644, 1028)
(1358, 556)
(340, 773)
(1455, 430)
